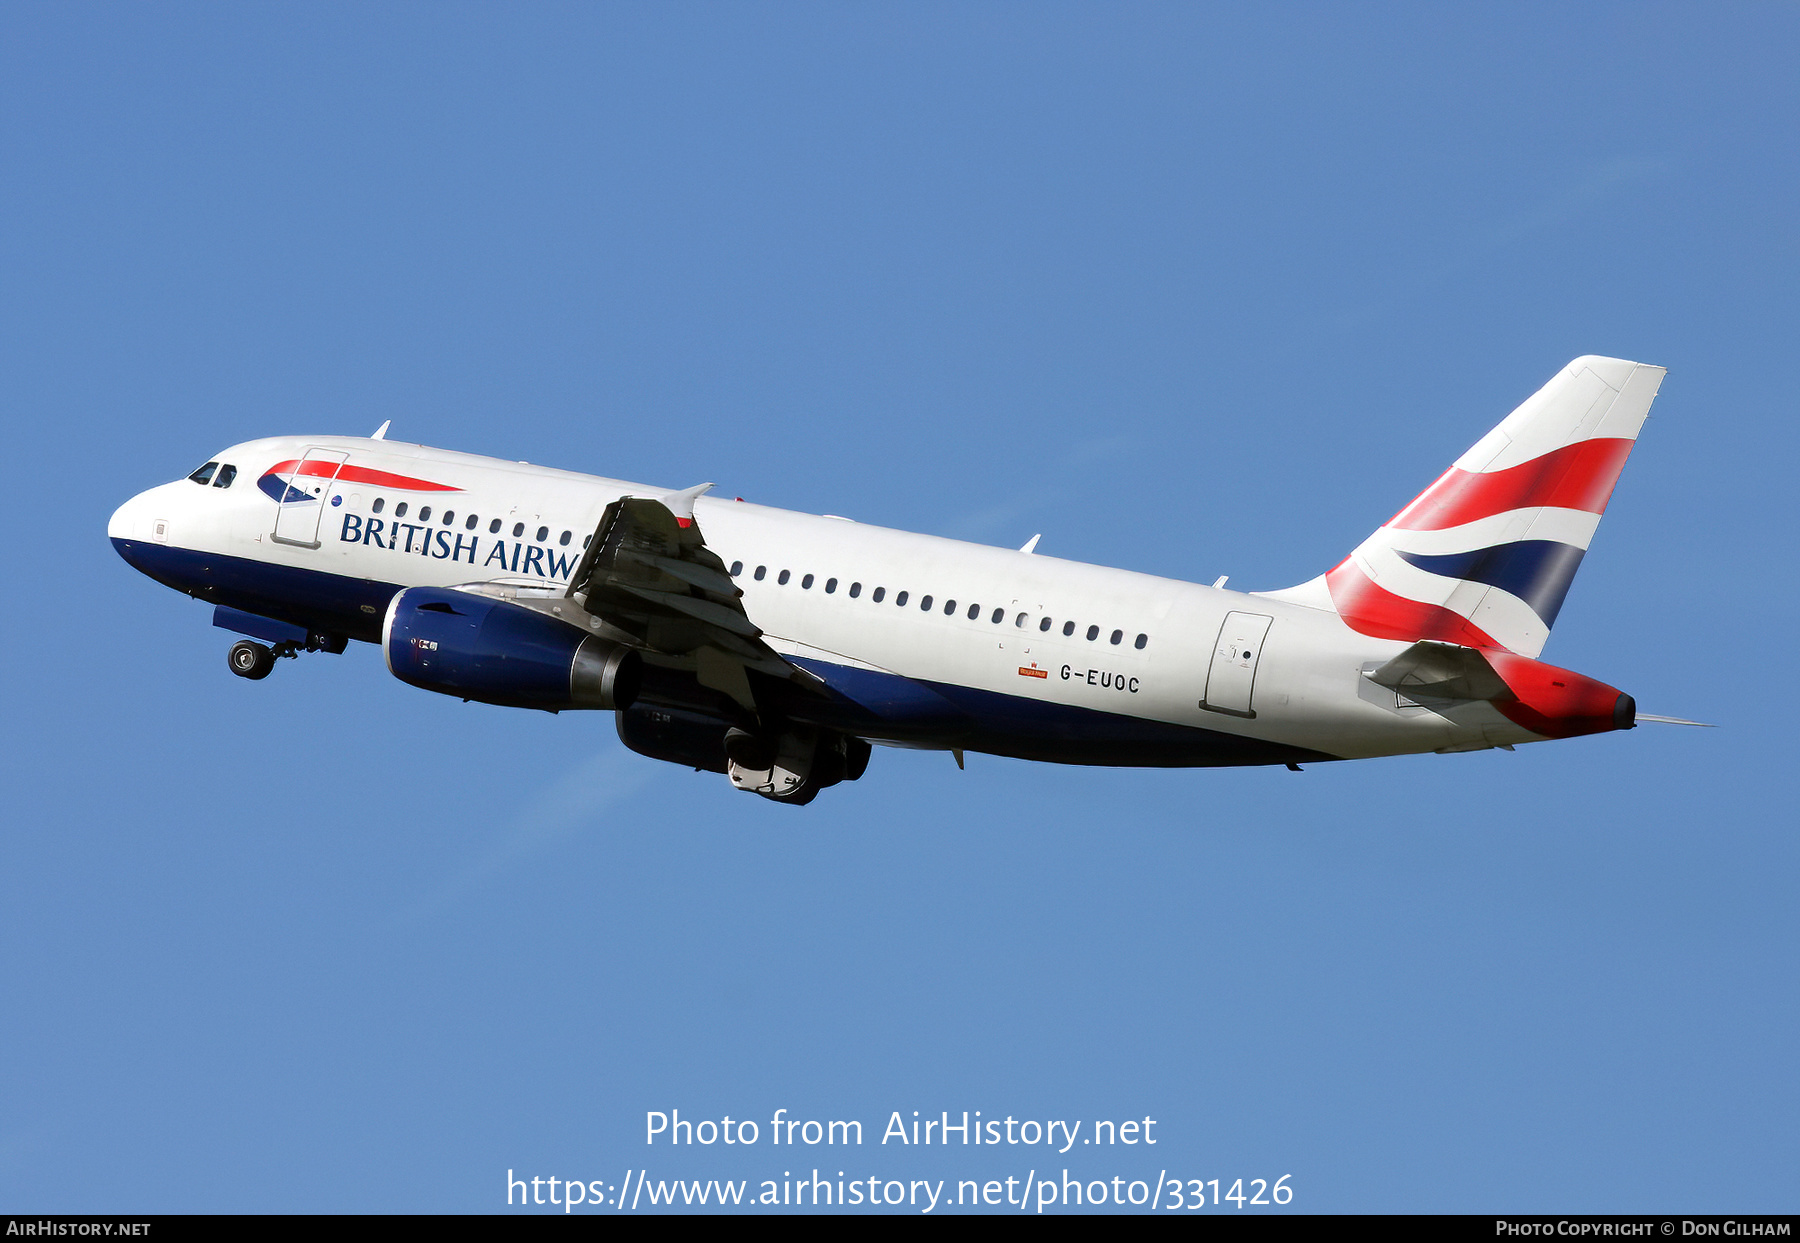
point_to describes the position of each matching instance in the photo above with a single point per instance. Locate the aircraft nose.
(126, 520)
(144, 519)
(119, 525)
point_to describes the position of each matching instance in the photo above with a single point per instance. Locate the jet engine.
(458, 643)
(789, 763)
(691, 739)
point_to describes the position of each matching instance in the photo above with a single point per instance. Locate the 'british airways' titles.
(443, 544)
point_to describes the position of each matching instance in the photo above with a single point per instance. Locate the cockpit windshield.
(227, 473)
(204, 475)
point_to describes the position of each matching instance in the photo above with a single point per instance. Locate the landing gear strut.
(250, 660)
(792, 764)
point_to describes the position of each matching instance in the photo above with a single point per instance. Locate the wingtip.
(681, 503)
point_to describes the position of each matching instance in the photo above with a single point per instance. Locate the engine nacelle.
(789, 765)
(458, 643)
(691, 739)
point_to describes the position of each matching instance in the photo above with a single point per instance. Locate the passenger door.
(302, 505)
(1231, 680)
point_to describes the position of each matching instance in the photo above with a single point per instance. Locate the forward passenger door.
(302, 504)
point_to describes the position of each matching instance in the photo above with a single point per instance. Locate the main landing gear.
(792, 764)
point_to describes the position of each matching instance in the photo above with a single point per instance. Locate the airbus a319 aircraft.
(774, 647)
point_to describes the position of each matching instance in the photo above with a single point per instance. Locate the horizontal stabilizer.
(1556, 703)
(1440, 671)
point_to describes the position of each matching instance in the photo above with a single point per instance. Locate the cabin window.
(783, 577)
(974, 612)
(494, 527)
(518, 529)
(737, 567)
(400, 510)
(1093, 633)
(761, 570)
(830, 585)
(424, 513)
(380, 502)
(587, 539)
(806, 583)
(543, 534)
(204, 475)
(900, 600)
(999, 616)
(1044, 625)
(925, 605)
(855, 590)
(878, 594)
(472, 523)
(566, 537)
(1116, 636)
(1019, 621)
(949, 608)
(1068, 629)
(1141, 640)
(449, 516)
(227, 473)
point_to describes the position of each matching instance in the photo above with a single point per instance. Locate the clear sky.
(1189, 290)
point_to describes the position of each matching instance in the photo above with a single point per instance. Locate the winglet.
(681, 504)
(381, 432)
(1031, 544)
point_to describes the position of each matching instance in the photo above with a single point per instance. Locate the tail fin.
(1485, 555)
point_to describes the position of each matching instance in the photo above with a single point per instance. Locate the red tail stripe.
(1578, 476)
(359, 474)
(1544, 699)
(1380, 614)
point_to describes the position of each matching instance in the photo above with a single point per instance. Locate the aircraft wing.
(648, 572)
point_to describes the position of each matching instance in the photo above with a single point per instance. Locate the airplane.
(775, 647)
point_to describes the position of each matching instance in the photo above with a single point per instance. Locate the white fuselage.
(829, 589)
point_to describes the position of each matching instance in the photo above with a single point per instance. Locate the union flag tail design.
(1485, 555)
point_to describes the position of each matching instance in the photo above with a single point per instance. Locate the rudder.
(1484, 556)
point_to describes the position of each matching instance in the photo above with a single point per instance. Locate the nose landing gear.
(250, 660)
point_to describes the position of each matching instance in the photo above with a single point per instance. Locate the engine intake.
(466, 645)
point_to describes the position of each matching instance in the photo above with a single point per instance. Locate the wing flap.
(648, 572)
(695, 606)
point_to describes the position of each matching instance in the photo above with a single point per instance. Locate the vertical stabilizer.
(1484, 556)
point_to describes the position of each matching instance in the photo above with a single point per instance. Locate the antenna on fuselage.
(381, 432)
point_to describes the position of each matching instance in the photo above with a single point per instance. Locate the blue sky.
(1193, 291)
